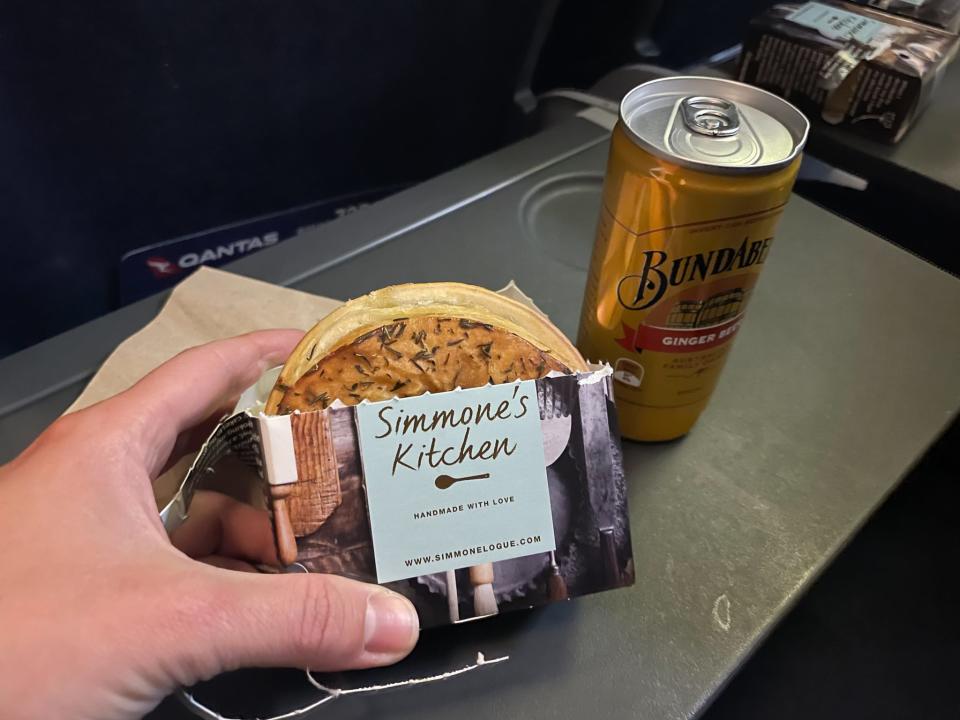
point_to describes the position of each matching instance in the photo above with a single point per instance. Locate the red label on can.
(678, 340)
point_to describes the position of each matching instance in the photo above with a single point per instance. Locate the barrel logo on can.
(706, 311)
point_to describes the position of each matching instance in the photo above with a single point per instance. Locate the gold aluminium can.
(699, 172)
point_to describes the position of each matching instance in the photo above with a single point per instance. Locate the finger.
(227, 563)
(220, 525)
(321, 622)
(189, 387)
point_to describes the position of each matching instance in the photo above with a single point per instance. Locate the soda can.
(699, 172)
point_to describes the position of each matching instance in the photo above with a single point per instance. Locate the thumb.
(320, 622)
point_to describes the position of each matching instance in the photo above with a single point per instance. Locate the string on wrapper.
(202, 711)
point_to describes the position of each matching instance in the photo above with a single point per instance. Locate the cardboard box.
(848, 65)
(469, 502)
(943, 14)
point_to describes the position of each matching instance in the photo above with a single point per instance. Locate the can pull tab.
(710, 116)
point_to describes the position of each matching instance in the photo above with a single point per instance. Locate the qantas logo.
(162, 268)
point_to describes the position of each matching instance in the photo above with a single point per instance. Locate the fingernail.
(391, 624)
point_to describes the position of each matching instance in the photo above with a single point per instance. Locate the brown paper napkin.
(208, 305)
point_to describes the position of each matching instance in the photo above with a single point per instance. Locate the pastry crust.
(417, 355)
(325, 365)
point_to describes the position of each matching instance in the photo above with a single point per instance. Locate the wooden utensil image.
(453, 598)
(484, 599)
(556, 586)
(283, 528)
(445, 481)
(300, 507)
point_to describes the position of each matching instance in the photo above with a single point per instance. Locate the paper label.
(455, 479)
(837, 24)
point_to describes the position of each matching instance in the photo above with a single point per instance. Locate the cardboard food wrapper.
(847, 64)
(941, 13)
(469, 502)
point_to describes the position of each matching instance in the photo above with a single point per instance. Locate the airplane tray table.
(844, 374)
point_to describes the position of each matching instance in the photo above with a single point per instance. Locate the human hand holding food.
(102, 615)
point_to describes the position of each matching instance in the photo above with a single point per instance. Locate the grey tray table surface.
(844, 373)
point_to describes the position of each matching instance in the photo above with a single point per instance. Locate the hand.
(101, 616)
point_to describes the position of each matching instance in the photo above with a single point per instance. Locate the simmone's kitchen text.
(398, 423)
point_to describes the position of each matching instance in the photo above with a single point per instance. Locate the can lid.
(714, 125)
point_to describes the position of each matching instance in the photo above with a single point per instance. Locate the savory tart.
(406, 340)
